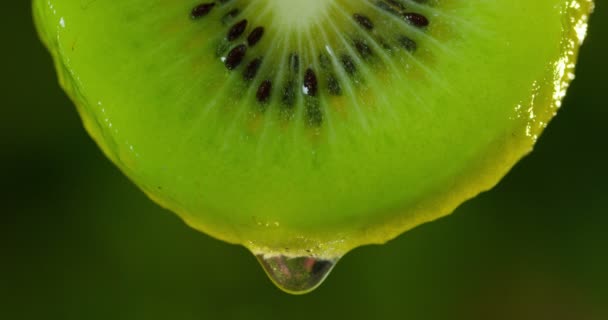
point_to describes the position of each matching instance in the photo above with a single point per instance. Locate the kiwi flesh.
(309, 128)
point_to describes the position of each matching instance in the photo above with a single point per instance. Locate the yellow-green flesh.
(410, 141)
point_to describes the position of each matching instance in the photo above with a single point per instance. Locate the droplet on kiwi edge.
(296, 275)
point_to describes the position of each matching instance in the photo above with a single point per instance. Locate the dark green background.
(79, 241)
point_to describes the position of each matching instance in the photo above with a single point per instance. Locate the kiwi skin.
(262, 237)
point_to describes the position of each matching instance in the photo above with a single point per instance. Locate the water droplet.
(296, 275)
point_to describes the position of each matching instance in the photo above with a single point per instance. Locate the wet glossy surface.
(296, 275)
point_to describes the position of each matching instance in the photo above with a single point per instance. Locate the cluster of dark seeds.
(236, 55)
(233, 56)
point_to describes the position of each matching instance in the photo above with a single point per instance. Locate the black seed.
(263, 94)
(252, 69)
(313, 113)
(364, 21)
(333, 86)
(416, 19)
(408, 44)
(235, 56)
(294, 62)
(255, 36)
(202, 10)
(310, 83)
(348, 64)
(230, 15)
(363, 49)
(289, 94)
(237, 30)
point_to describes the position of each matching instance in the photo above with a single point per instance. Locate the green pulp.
(446, 125)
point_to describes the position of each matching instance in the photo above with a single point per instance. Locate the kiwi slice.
(303, 129)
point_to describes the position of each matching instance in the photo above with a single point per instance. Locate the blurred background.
(79, 241)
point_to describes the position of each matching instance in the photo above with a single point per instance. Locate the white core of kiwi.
(298, 14)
